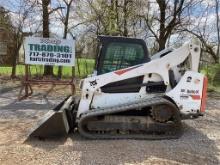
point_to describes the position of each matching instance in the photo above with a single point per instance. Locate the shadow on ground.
(8, 89)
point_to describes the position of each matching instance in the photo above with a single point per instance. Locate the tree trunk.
(162, 39)
(66, 22)
(218, 30)
(162, 44)
(112, 28)
(166, 28)
(125, 31)
(19, 40)
(48, 70)
(14, 63)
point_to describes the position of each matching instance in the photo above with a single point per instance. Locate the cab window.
(122, 55)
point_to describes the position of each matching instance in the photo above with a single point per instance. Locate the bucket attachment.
(56, 123)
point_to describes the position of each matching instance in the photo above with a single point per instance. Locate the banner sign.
(49, 51)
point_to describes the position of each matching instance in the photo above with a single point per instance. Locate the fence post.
(26, 80)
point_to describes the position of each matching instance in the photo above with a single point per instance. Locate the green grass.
(83, 67)
(212, 72)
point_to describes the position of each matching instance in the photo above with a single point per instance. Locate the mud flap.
(56, 123)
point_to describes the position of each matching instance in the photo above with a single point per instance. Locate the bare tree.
(113, 17)
(22, 13)
(64, 17)
(201, 28)
(168, 19)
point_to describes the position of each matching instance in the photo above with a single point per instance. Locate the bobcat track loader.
(131, 95)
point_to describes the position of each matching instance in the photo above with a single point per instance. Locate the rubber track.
(122, 108)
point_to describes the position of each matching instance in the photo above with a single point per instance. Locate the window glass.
(122, 55)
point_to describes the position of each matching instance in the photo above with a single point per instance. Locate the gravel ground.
(200, 143)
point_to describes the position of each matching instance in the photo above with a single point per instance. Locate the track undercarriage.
(155, 118)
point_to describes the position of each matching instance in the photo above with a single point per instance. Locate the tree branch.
(55, 9)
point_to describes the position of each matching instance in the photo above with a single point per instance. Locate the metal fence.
(83, 67)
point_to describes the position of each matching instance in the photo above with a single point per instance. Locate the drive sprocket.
(161, 113)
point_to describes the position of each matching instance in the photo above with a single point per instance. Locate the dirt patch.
(200, 143)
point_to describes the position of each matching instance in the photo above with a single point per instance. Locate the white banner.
(49, 51)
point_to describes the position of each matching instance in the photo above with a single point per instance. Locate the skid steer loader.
(131, 95)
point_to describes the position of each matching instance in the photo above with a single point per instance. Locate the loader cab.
(119, 52)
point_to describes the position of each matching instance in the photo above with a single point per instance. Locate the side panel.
(188, 93)
(105, 100)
